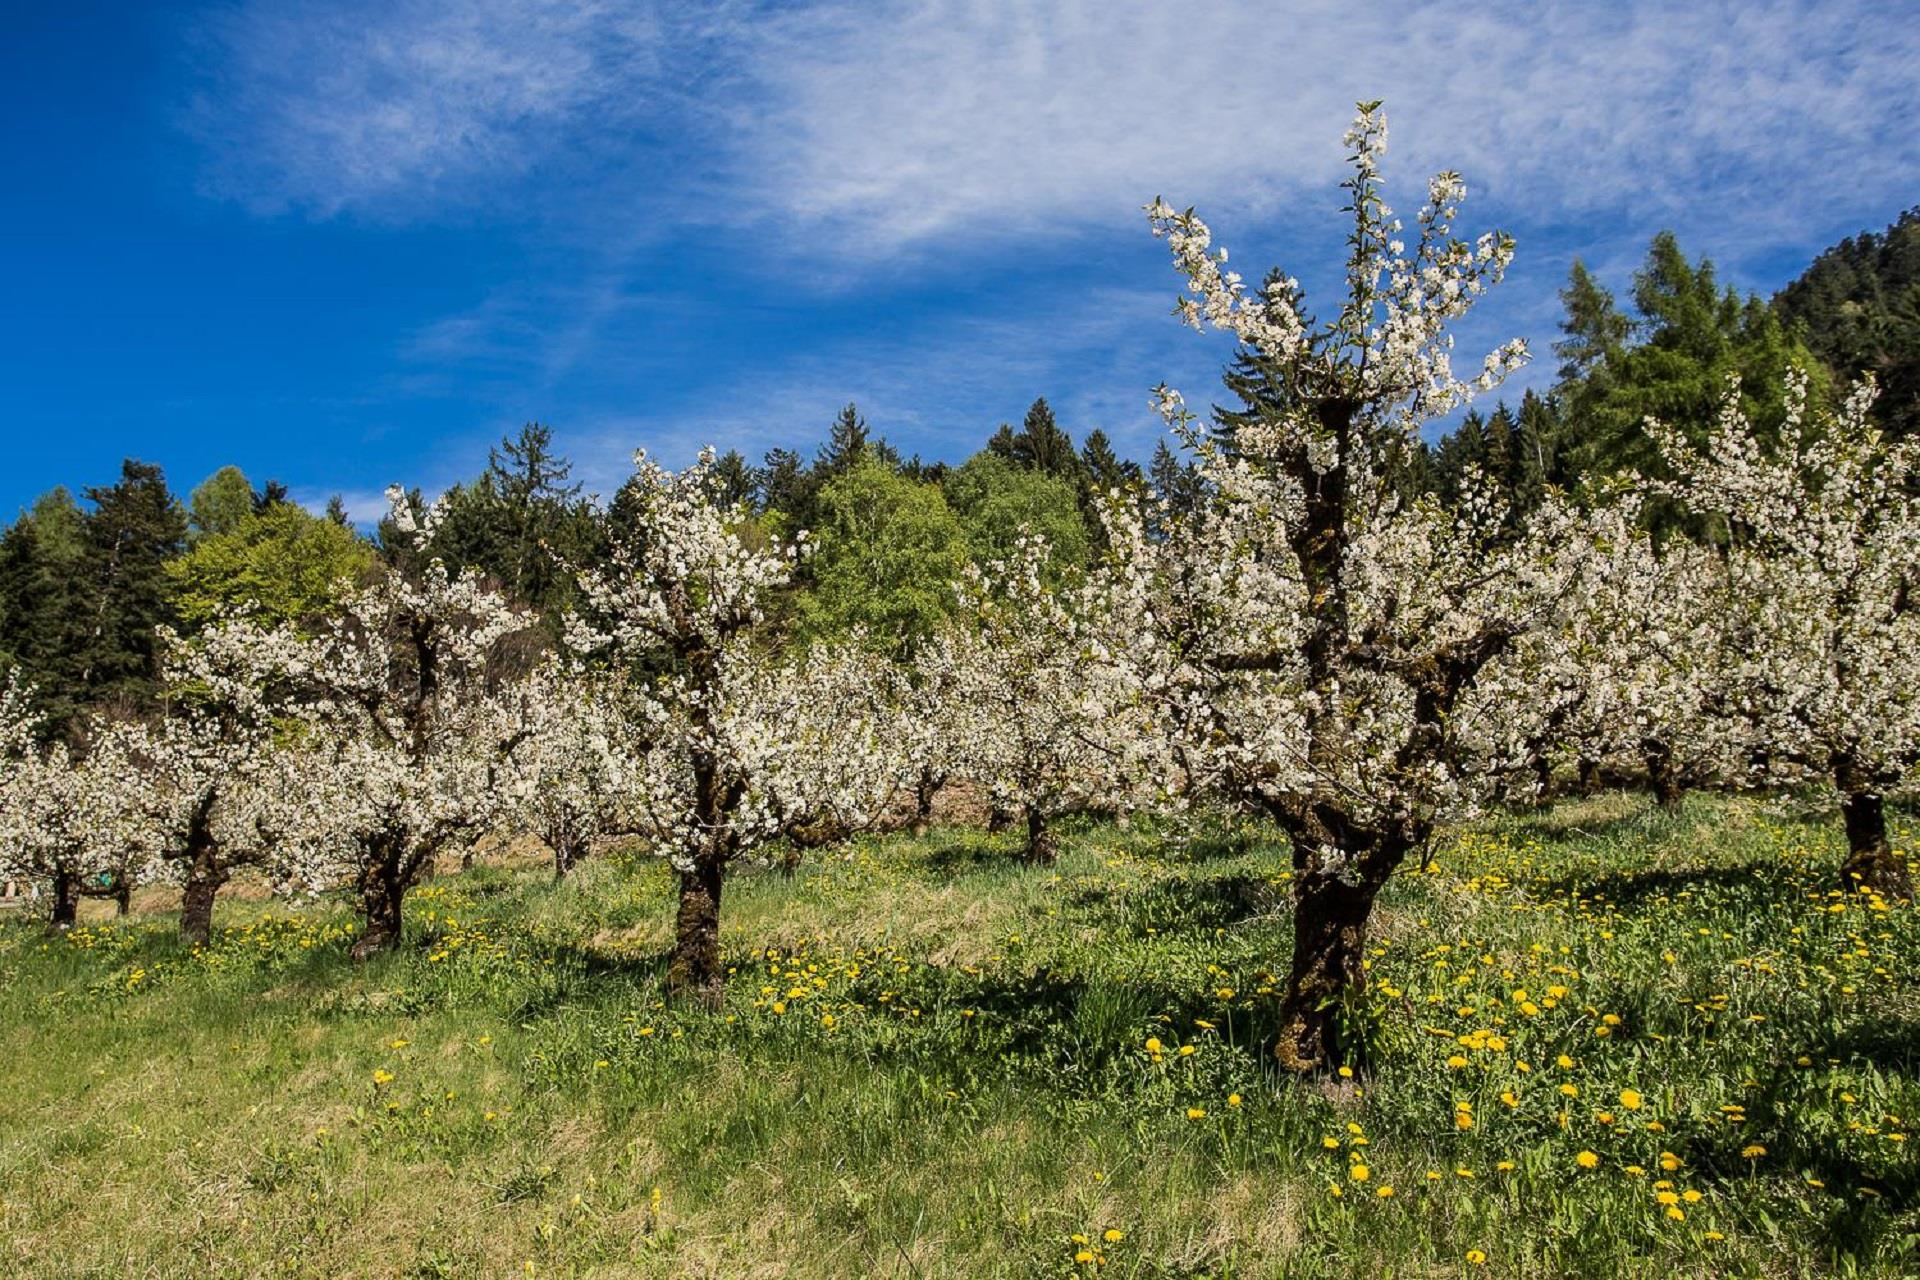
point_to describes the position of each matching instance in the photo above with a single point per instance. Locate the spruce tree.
(135, 527)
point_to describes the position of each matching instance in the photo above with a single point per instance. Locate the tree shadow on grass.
(966, 854)
(1638, 818)
(1758, 882)
(1186, 903)
(1892, 1044)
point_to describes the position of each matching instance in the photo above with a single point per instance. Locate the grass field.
(1606, 1042)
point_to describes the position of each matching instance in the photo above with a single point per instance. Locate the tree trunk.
(1589, 777)
(1872, 861)
(1542, 777)
(1329, 945)
(66, 901)
(382, 891)
(998, 820)
(196, 902)
(1663, 774)
(1042, 848)
(695, 972)
(923, 793)
(566, 854)
(122, 894)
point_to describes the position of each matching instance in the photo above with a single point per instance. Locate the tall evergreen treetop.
(134, 528)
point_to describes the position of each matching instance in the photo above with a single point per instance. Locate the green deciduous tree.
(282, 564)
(887, 552)
(996, 498)
(220, 502)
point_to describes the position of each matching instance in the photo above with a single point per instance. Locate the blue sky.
(343, 244)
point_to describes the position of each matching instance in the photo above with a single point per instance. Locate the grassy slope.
(941, 1068)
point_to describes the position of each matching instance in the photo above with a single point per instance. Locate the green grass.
(935, 1062)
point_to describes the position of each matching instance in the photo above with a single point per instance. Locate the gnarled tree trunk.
(196, 907)
(66, 901)
(1663, 774)
(1872, 861)
(695, 972)
(1334, 889)
(205, 876)
(1042, 848)
(924, 789)
(383, 891)
(568, 849)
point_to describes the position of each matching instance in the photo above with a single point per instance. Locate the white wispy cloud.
(912, 120)
(850, 148)
(408, 107)
(927, 119)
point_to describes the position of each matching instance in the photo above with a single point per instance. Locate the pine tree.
(1597, 330)
(135, 527)
(1687, 336)
(732, 479)
(520, 514)
(782, 485)
(1103, 467)
(1043, 446)
(846, 445)
(42, 603)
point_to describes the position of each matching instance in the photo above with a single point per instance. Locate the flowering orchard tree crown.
(1041, 708)
(406, 720)
(1387, 351)
(726, 747)
(1822, 532)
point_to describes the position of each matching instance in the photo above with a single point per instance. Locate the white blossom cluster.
(1820, 677)
(68, 818)
(1040, 707)
(726, 746)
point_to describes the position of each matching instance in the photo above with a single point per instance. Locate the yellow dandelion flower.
(1587, 1160)
(1477, 1257)
(1630, 1099)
